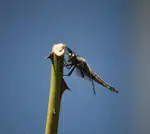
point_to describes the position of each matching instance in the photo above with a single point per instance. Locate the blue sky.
(100, 31)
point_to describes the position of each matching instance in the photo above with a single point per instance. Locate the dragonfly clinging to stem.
(74, 61)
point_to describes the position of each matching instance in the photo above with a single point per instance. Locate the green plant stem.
(55, 93)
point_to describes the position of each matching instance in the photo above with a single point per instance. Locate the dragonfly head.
(72, 57)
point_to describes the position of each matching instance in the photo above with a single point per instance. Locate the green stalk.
(55, 95)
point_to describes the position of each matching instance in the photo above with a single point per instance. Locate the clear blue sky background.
(99, 30)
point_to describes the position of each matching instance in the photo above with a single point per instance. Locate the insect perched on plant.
(74, 61)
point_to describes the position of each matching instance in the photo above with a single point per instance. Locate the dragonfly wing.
(66, 55)
(79, 73)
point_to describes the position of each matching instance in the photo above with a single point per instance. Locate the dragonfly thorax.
(81, 59)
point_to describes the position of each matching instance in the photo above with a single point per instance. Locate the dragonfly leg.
(70, 51)
(68, 66)
(70, 72)
(93, 87)
(82, 73)
(65, 62)
(93, 84)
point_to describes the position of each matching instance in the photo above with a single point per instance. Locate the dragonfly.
(73, 61)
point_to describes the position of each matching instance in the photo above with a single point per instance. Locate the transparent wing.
(66, 55)
(81, 74)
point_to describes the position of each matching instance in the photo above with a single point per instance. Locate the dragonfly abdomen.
(97, 79)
